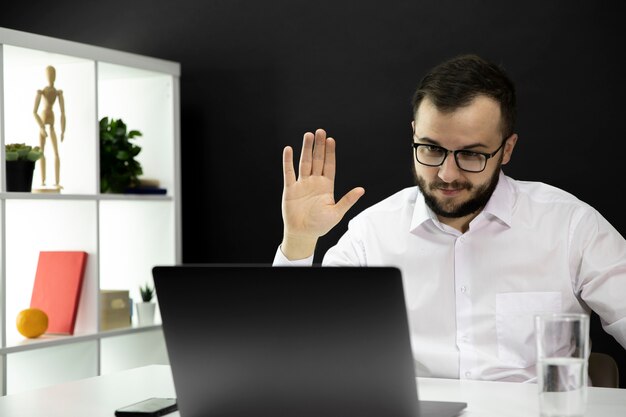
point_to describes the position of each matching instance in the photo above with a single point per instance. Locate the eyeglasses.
(470, 161)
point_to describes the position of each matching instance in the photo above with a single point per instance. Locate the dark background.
(257, 74)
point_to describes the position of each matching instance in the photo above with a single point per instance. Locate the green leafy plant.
(147, 292)
(21, 152)
(119, 169)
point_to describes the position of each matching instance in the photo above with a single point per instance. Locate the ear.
(412, 125)
(508, 148)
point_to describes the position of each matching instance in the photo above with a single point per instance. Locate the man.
(480, 253)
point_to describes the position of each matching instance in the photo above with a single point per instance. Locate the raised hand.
(308, 204)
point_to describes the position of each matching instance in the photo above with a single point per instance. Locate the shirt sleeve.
(349, 251)
(599, 251)
(281, 260)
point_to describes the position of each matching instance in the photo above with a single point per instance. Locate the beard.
(480, 195)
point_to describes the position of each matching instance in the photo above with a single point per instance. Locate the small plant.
(147, 293)
(119, 169)
(21, 152)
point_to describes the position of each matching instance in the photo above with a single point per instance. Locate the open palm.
(308, 204)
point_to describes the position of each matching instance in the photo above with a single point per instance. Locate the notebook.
(57, 288)
(256, 341)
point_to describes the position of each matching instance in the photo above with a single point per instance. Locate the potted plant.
(119, 169)
(20, 164)
(145, 309)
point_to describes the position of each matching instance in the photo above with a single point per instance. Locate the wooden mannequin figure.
(46, 117)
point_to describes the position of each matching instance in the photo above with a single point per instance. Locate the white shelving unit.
(124, 235)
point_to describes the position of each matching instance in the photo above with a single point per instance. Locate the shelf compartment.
(132, 350)
(3, 285)
(33, 226)
(36, 369)
(134, 237)
(143, 100)
(24, 74)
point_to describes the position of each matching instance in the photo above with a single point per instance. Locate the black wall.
(257, 74)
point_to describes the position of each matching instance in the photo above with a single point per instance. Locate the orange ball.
(32, 322)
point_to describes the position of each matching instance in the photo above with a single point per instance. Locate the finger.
(319, 152)
(348, 200)
(306, 156)
(329, 159)
(289, 174)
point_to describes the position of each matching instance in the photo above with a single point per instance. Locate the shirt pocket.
(515, 324)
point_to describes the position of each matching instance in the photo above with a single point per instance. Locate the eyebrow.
(434, 142)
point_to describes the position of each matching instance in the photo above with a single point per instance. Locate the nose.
(449, 170)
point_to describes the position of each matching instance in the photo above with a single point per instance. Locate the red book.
(56, 291)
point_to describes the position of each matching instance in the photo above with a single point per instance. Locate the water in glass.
(562, 384)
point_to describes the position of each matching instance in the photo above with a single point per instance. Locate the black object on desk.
(152, 407)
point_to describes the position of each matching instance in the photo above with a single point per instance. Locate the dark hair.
(456, 82)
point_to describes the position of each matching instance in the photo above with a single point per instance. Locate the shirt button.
(463, 289)
(468, 374)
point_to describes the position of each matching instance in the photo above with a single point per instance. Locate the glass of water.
(562, 353)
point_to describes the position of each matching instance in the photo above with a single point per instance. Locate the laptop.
(261, 341)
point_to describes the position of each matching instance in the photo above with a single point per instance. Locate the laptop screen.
(247, 340)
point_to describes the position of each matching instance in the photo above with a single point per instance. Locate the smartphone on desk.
(148, 408)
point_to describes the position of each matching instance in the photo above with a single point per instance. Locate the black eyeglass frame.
(486, 155)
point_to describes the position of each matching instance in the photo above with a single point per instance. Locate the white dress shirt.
(471, 297)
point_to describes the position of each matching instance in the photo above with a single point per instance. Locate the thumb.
(348, 200)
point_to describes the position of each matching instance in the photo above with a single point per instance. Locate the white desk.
(100, 396)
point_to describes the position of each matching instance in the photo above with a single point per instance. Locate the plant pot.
(20, 175)
(145, 313)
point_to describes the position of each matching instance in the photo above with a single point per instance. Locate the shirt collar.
(500, 205)
(421, 213)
